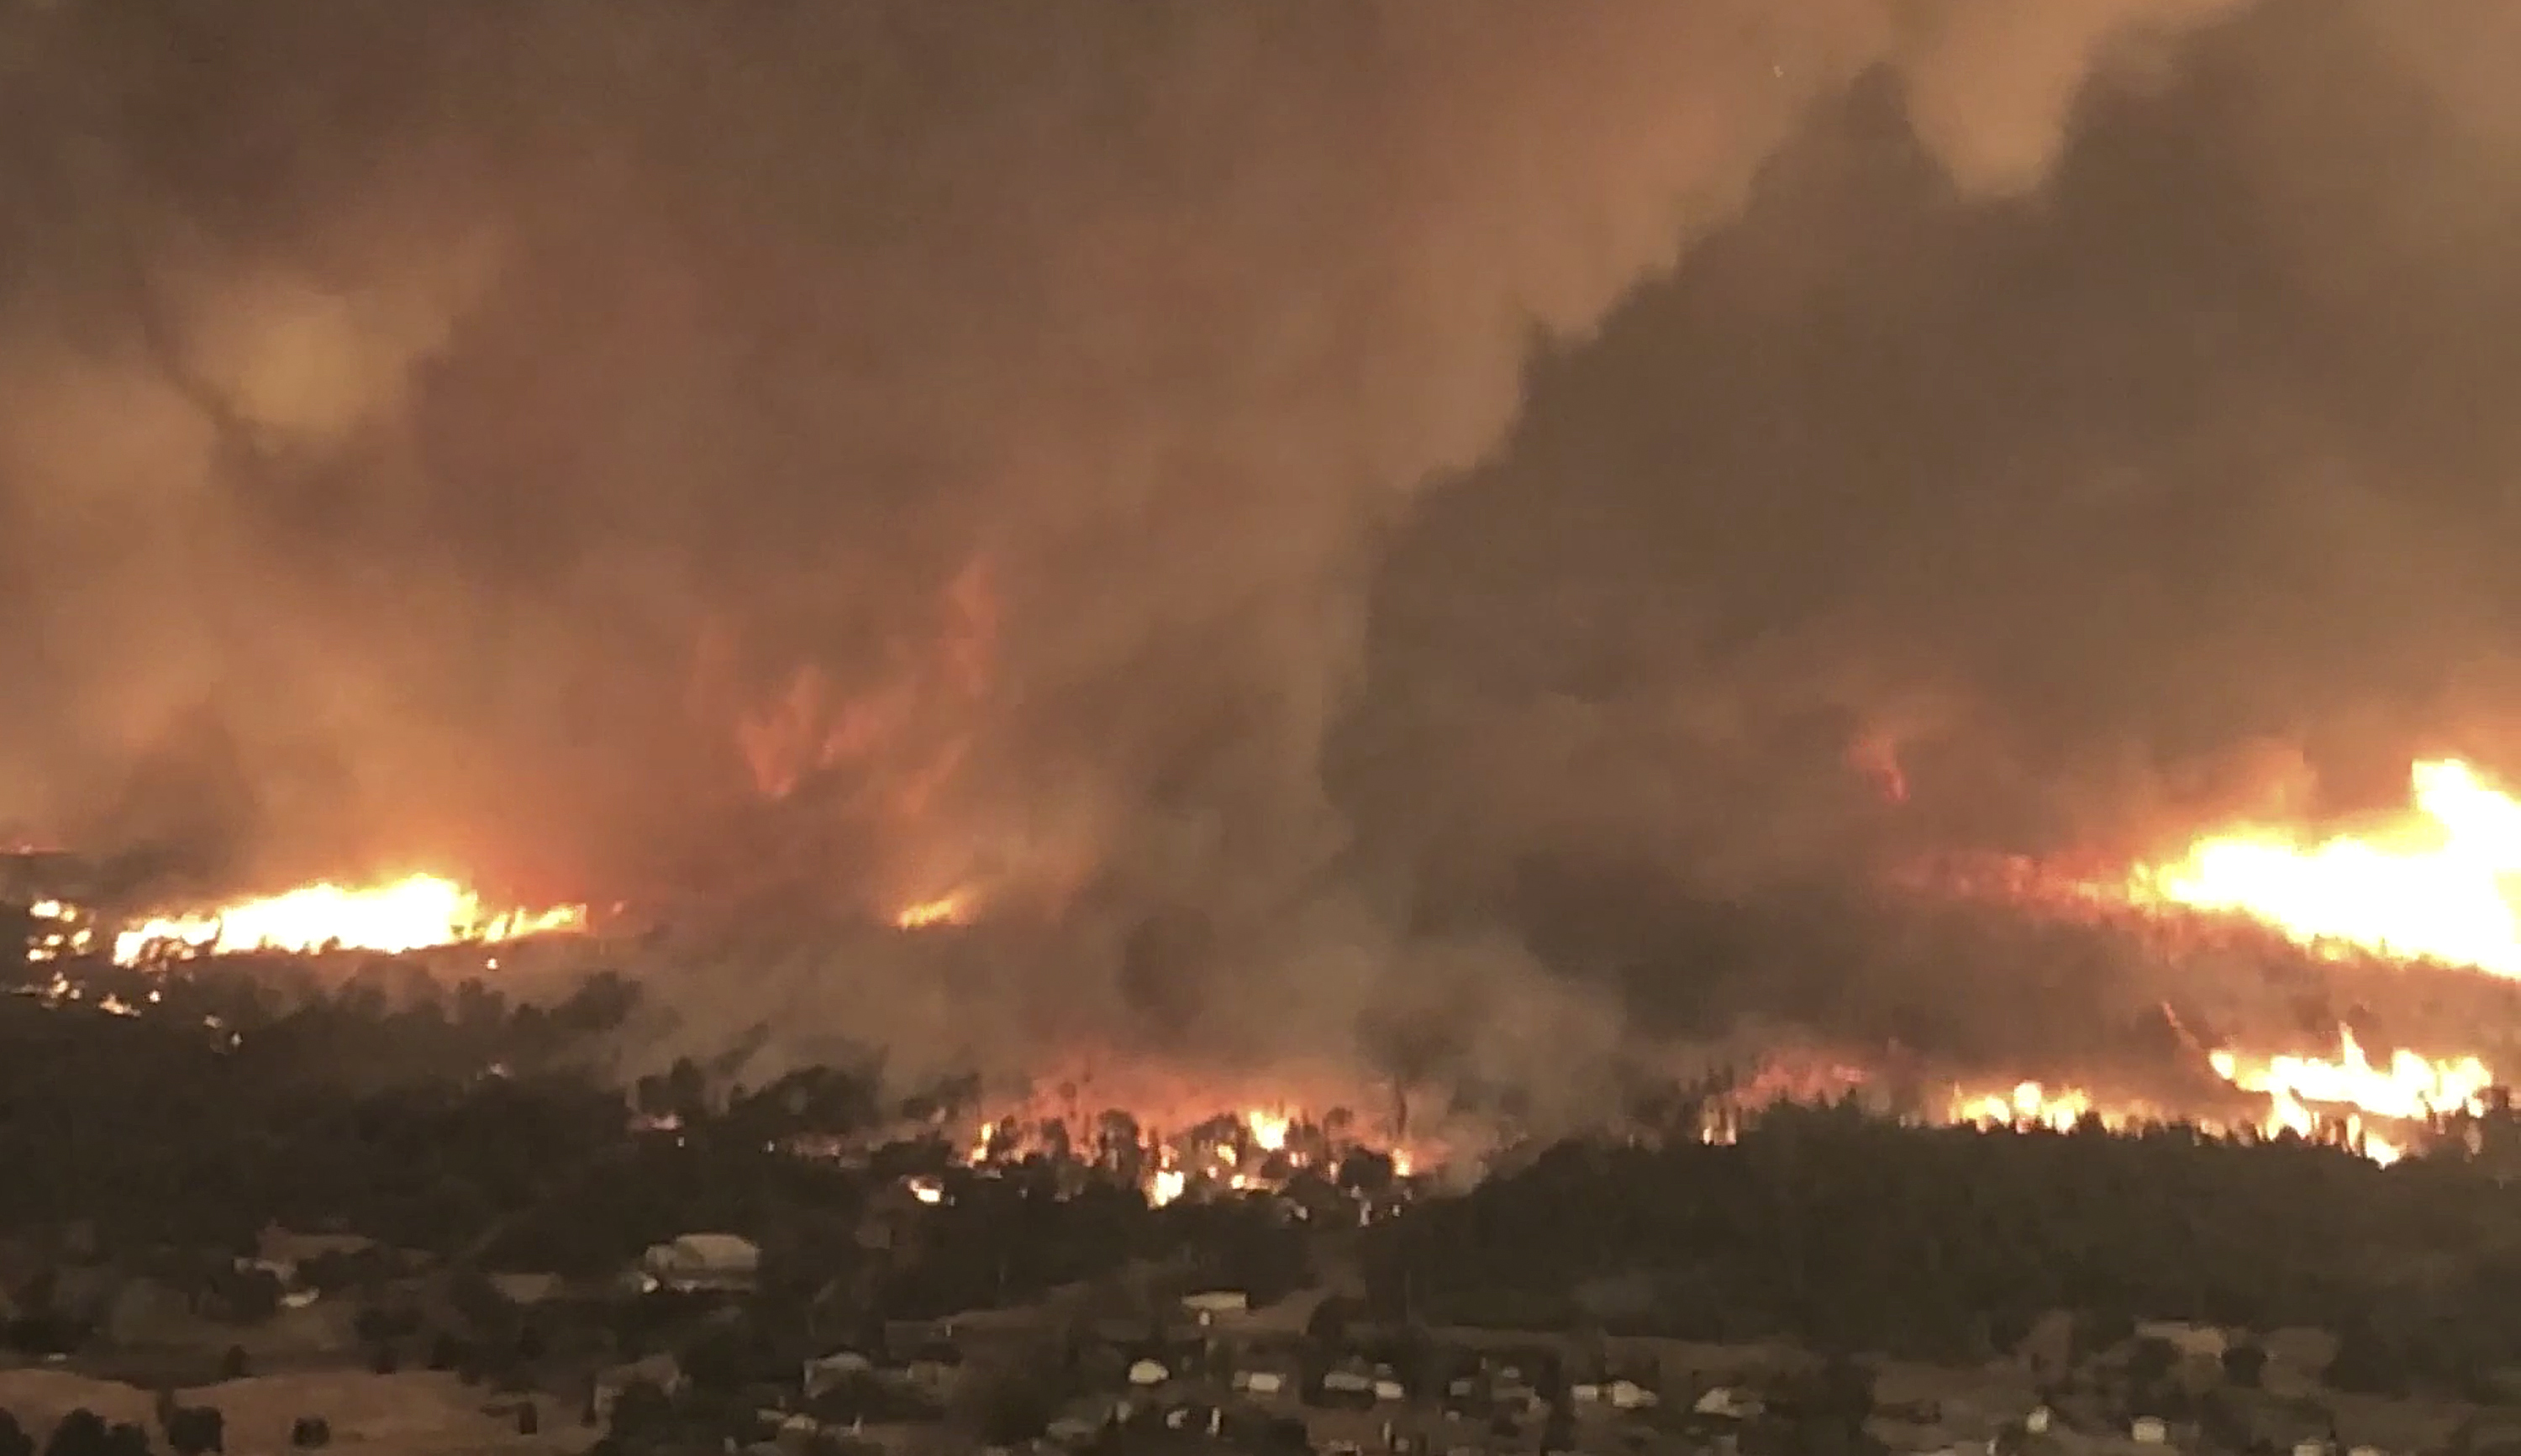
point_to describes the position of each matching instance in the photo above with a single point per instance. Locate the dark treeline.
(1853, 1233)
(171, 1109)
(493, 1136)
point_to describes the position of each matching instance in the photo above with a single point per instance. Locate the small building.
(1262, 1373)
(1629, 1396)
(528, 1290)
(1348, 1386)
(834, 1371)
(704, 1261)
(662, 1371)
(1209, 1306)
(2194, 1340)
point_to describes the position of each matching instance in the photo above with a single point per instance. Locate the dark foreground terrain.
(210, 1188)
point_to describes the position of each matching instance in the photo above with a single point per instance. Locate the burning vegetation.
(2409, 899)
(420, 911)
(2416, 895)
(2427, 890)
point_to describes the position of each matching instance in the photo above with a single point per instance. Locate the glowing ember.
(2434, 885)
(944, 910)
(411, 914)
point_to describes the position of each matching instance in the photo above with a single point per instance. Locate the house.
(932, 1374)
(1209, 1306)
(662, 1371)
(704, 1261)
(1348, 1386)
(1264, 1374)
(2204, 1341)
(528, 1290)
(282, 1251)
(835, 1370)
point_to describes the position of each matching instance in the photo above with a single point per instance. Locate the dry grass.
(422, 1412)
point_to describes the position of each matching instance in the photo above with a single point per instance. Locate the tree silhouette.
(81, 1433)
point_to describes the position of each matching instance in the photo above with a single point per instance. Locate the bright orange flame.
(2310, 1096)
(2411, 1088)
(1269, 1129)
(409, 914)
(947, 909)
(2434, 885)
(2028, 1105)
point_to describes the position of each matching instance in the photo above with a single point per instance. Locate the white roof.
(716, 1251)
(843, 1361)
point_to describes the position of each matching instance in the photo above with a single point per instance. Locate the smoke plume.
(838, 456)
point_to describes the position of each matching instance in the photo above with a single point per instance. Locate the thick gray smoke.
(868, 450)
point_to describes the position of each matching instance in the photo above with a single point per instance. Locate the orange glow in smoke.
(1876, 759)
(2436, 884)
(415, 913)
(949, 909)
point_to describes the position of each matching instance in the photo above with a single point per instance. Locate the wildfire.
(950, 909)
(2411, 1088)
(1269, 1129)
(2313, 1097)
(1191, 1156)
(410, 914)
(2028, 1105)
(2434, 885)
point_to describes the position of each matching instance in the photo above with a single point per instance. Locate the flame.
(2432, 886)
(414, 913)
(2029, 1105)
(948, 909)
(1156, 1126)
(2436, 883)
(2411, 1088)
(1269, 1129)
(2313, 1097)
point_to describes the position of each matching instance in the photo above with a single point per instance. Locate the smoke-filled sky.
(1276, 490)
